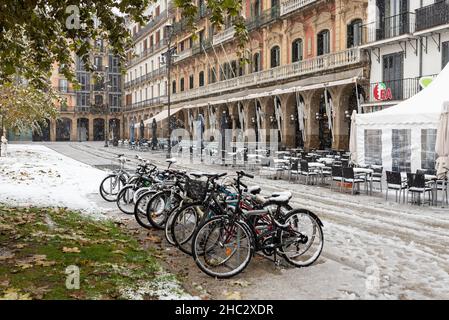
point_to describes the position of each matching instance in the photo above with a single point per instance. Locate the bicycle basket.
(196, 189)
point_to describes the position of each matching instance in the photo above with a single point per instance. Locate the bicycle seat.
(280, 197)
(171, 160)
(197, 174)
(253, 190)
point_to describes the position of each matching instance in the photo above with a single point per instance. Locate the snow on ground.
(36, 175)
(394, 251)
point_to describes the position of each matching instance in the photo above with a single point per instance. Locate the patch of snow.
(36, 175)
(164, 287)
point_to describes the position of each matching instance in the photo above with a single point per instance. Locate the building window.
(401, 150)
(354, 34)
(256, 8)
(82, 99)
(445, 54)
(84, 81)
(297, 50)
(201, 79)
(323, 42)
(173, 85)
(393, 74)
(275, 55)
(373, 147)
(191, 82)
(181, 85)
(114, 64)
(212, 75)
(256, 62)
(428, 155)
(63, 85)
(98, 62)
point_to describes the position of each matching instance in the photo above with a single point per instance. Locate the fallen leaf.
(6, 256)
(241, 283)
(45, 263)
(20, 246)
(71, 250)
(118, 252)
(24, 265)
(234, 295)
(154, 239)
(14, 294)
(38, 293)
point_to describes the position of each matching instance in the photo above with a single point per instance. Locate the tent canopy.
(399, 136)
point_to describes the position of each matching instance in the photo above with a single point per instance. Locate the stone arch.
(293, 135)
(82, 125)
(114, 128)
(99, 129)
(63, 129)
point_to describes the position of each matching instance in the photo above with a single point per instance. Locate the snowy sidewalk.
(36, 175)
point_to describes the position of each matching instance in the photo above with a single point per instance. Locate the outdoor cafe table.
(326, 160)
(429, 178)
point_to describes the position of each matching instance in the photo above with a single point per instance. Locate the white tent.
(402, 137)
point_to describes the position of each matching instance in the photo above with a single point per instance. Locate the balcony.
(151, 24)
(388, 28)
(436, 14)
(294, 70)
(183, 55)
(394, 90)
(265, 17)
(293, 5)
(82, 108)
(139, 57)
(146, 103)
(223, 36)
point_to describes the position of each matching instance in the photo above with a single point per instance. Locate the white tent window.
(401, 153)
(373, 146)
(428, 140)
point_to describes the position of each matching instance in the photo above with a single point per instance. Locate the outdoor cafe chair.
(395, 182)
(337, 176)
(417, 185)
(348, 177)
(376, 177)
(294, 169)
(306, 172)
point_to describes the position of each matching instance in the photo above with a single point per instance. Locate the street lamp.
(169, 54)
(106, 106)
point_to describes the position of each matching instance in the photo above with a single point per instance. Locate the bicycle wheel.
(125, 199)
(302, 240)
(185, 221)
(111, 186)
(140, 209)
(168, 224)
(222, 247)
(160, 206)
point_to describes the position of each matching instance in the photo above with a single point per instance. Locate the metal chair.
(306, 172)
(417, 185)
(348, 176)
(337, 176)
(395, 182)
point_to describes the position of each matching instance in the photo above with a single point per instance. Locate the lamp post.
(106, 107)
(169, 54)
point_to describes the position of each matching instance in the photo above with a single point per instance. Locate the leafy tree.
(24, 107)
(36, 34)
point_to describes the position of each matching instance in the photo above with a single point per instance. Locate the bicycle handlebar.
(244, 174)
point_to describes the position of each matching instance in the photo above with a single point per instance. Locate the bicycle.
(111, 185)
(223, 245)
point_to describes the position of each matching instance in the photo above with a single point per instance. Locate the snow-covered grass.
(36, 175)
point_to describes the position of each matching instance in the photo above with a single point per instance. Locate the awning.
(312, 83)
(162, 115)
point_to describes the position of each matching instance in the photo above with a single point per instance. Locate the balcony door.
(393, 18)
(393, 73)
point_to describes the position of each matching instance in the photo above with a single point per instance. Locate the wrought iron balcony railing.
(388, 28)
(309, 66)
(394, 90)
(433, 15)
(293, 5)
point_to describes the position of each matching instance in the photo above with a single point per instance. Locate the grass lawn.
(37, 245)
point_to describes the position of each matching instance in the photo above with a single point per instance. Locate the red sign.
(381, 92)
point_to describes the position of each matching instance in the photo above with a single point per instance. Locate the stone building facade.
(304, 58)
